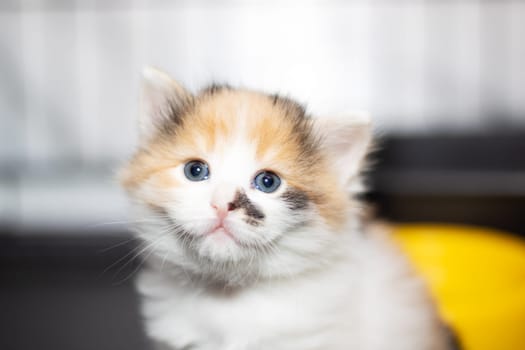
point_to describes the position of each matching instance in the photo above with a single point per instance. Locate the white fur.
(157, 93)
(300, 289)
(290, 283)
(366, 299)
(347, 139)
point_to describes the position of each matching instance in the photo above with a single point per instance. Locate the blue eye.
(266, 181)
(196, 170)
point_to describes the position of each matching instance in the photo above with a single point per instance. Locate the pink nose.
(222, 210)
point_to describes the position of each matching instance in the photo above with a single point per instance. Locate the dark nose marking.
(242, 201)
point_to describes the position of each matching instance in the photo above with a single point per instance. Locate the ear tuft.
(162, 100)
(346, 141)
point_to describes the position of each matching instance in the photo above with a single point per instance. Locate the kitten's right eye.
(196, 170)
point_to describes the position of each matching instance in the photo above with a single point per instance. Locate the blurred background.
(70, 73)
(443, 80)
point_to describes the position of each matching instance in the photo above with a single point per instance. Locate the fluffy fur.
(234, 268)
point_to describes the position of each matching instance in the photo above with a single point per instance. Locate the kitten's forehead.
(233, 160)
(271, 130)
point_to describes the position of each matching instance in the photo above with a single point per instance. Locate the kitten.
(254, 240)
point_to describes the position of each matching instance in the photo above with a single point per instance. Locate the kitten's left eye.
(196, 170)
(266, 181)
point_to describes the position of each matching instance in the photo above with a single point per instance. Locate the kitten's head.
(232, 184)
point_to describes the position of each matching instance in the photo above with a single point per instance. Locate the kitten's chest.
(265, 318)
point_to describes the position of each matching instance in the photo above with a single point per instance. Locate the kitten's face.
(235, 179)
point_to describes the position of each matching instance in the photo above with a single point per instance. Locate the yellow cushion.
(477, 277)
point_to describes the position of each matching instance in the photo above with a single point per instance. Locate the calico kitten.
(254, 240)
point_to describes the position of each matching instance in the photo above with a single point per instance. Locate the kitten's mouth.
(221, 230)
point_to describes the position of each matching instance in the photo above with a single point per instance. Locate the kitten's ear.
(162, 99)
(346, 140)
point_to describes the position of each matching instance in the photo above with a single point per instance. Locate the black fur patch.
(295, 199)
(175, 111)
(251, 210)
(291, 107)
(302, 129)
(275, 99)
(215, 88)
